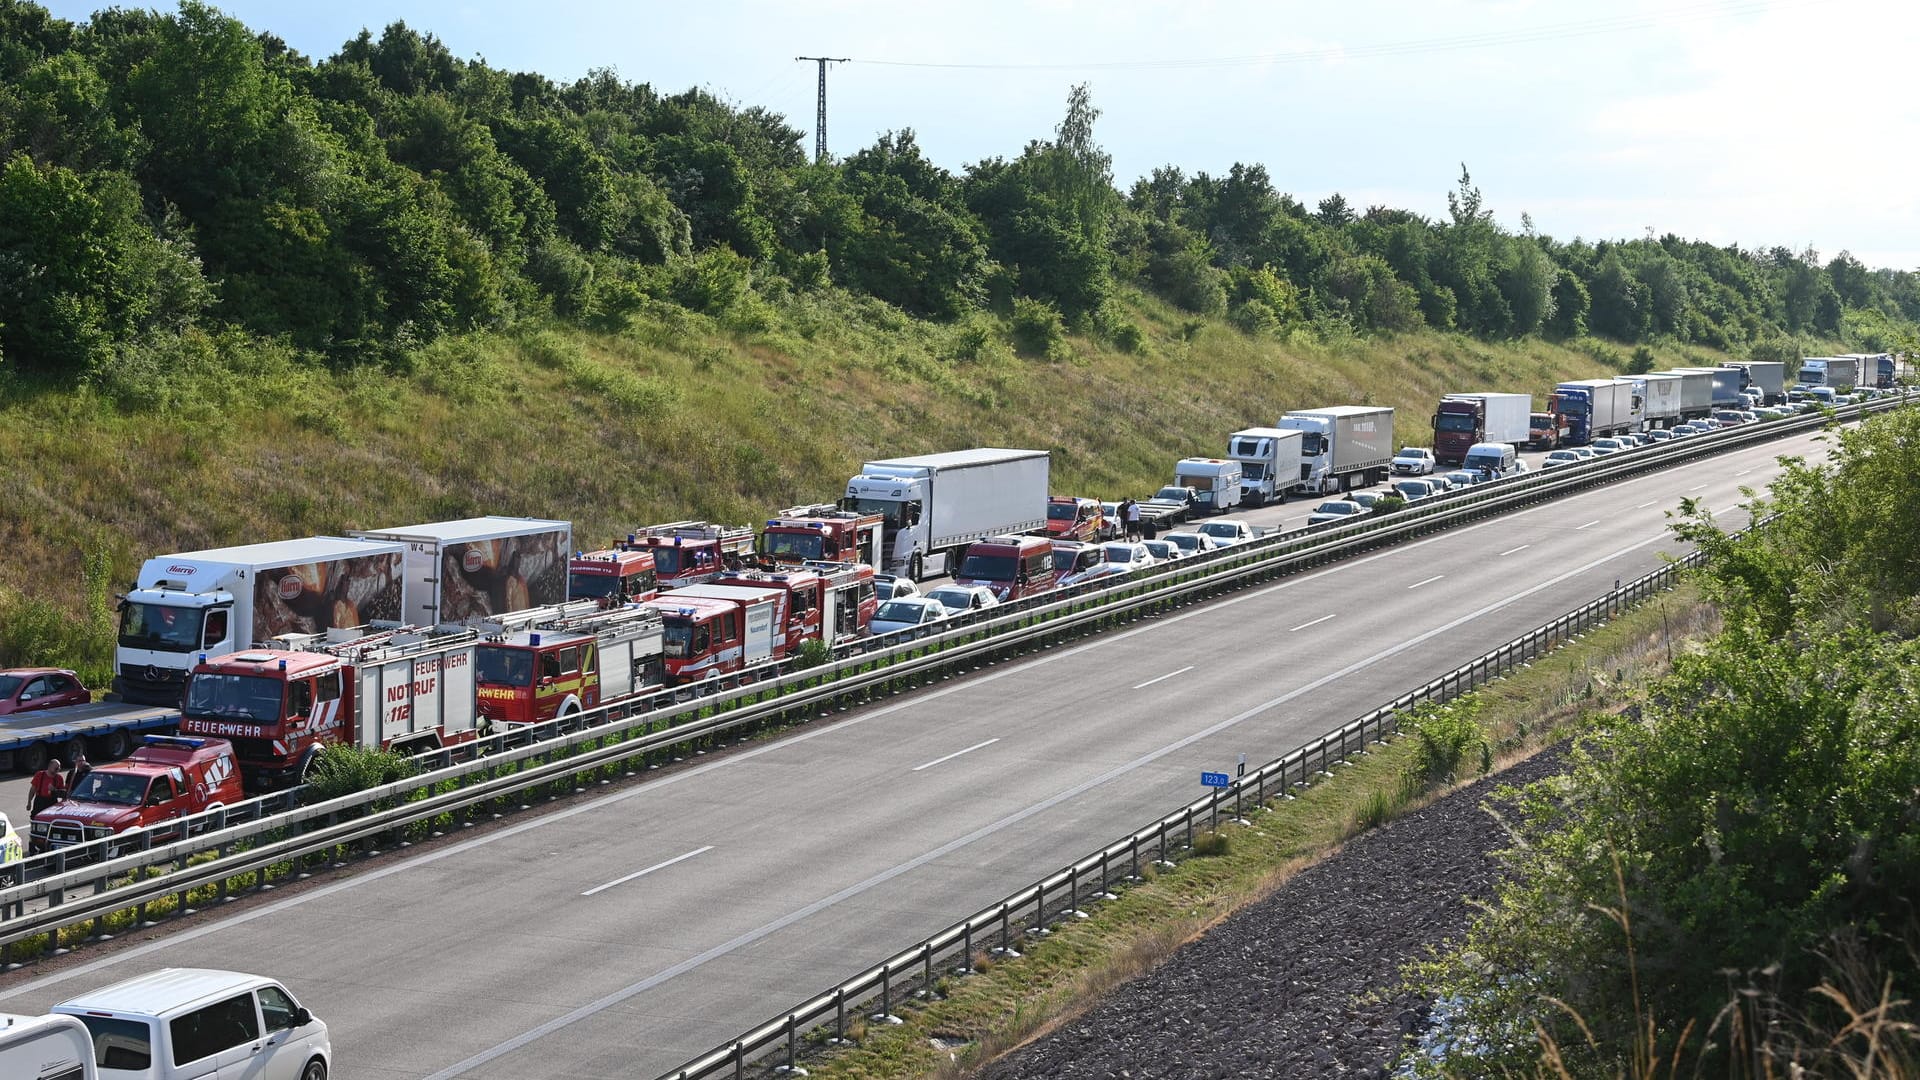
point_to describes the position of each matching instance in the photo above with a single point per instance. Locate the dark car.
(26, 689)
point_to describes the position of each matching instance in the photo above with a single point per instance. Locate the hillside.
(677, 416)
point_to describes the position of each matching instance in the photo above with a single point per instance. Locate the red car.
(26, 689)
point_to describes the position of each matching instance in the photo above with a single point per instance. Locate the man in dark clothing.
(81, 767)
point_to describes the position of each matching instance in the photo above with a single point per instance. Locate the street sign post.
(1215, 779)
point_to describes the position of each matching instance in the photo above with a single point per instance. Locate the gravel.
(1305, 982)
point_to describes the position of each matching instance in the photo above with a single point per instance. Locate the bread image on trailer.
(476, 567)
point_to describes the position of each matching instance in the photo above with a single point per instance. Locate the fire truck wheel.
(308, 764)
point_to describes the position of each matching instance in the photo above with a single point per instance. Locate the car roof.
(165, 991)
(29, 672)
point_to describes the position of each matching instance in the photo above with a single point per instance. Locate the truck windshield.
(113, 788)
(503, 665)
(808, 544)
(1253, 470)
(234, 697)
(592, 586)
(988, 567)
(672, 560)
(1062, 511)
(1453, 421)
(886, 508)
(160, 626)
(1311, 444)
(684, 638)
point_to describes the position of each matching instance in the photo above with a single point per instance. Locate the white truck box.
(1696, 392)
(937, 504)
(222, 600)
(1726, 385)
(1344, 446)
(1660, 398)
(1269, 462)
(51, 1047)
(476, 567)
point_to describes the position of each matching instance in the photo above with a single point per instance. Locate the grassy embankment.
(1059, 976)
(679, 416)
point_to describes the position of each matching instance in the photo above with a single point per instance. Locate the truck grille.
(254, 750)
(65, 833)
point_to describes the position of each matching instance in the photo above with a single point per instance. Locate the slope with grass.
(678, 416)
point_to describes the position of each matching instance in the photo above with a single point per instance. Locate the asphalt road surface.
(626, 933)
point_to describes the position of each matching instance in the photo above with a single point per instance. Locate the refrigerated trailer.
(937, 504)
(476, 567)
(1344, 446)
(1659, 398)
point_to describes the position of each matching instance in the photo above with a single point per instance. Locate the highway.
(627, 932)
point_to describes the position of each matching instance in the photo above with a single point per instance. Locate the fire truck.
(690, 552)
(826, 600)
(613, 577)
(713, 631)
(400, 688)
(822, 532)
(550, 662)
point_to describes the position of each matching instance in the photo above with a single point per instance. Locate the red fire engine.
(547, 662)
(822, 532)
(690, 552)
(830, 601)
(613, 577)
(717, 630)
(400, 688)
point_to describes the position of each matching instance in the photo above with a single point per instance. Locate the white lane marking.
(1510, 551)
(1428, 581)
(1646, 504)
(1743, 472)
(1165, 677)
(648, 870)
(1588, 525)
(1315, 622)
(724, 948)
(972, 748)
(1696, 487)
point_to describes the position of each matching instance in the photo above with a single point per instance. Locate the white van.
(189, 1023)
(45, 1048)
(1492, 458)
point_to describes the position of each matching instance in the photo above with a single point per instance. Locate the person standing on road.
(81, 767)
(46, 788)
(1133, 520)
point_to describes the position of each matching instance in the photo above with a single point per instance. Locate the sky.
(1756, 122)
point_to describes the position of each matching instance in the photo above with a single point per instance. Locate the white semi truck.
(1342, 447)
(222, 600)
(1269, 463)
(935, 505)
(477, 567)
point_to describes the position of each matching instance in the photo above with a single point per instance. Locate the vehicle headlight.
(95, 832)
(41, 828)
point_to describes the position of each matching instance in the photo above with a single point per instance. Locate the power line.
(1488, 39)
(820, 118)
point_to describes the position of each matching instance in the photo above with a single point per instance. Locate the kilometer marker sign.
(1215, 779)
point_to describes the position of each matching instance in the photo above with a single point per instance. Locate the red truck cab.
(167, 777)
(692, 552)
(712, 631)
(533, 675)
(613, 577)
(828, 601)
(821, 533)
(1012, 566)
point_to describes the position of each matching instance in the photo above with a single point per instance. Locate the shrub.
(342, 770)
(812, 653)
(1643, 361)
(1447, 736)
(1038, 329)
(1211, 843)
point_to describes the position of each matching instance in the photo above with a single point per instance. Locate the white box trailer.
(1660, 398)
(1269, 462)
(481, 566)
(936, 504)
(1767, 376)
(1726, 385)
(1696, 392)
(51, 1047)
(1344, 446)
(222, 600)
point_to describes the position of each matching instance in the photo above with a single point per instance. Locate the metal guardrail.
(999, 927)
(462, 778)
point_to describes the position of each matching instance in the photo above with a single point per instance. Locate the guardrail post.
(839, 1015)
(739, 1061)
(926, 968)
(1040, 909)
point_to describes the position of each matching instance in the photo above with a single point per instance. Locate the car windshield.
(950, 598)
(1177, 494)
(1062, 511)
(989, 567)
(113, 788)
(1412, 452)
(1334, 508)
(9, 684)
(1120, 553)
(904, 611)
(504, 666)
(234, 697)
(1185, 541)
(810, 544)
(1224, 531)
(160, 626)
(1160, 548)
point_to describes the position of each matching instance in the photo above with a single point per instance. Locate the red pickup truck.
(168, 777)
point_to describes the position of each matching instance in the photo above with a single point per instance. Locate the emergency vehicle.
(690, 552)
(1070, 518)
(612, 577)
(1012, 566)
(168, 777)
(407, 689)
(536, 665)
(713, 631)
(822, 532)
(829, 601)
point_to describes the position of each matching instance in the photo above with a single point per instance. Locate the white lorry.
(223, 600)
(1660, 396)
(1343, 446)
(934, 505)
(1215, 480)
(477, 567)
(1269, 463)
